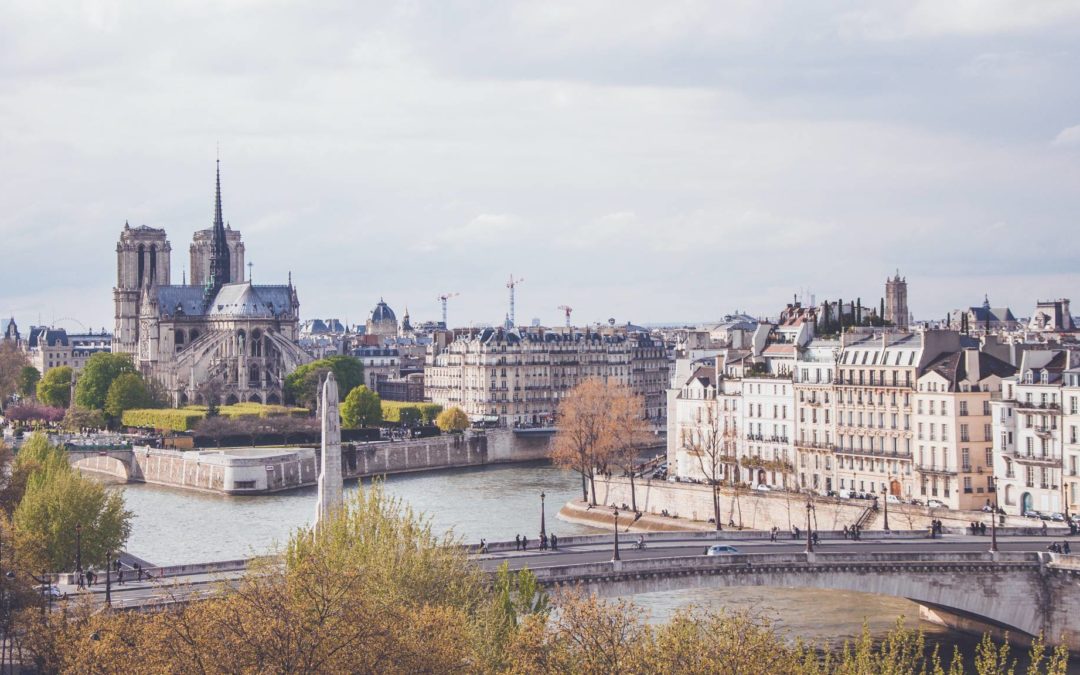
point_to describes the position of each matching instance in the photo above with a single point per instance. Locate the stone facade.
(218, 331)
(518, 377)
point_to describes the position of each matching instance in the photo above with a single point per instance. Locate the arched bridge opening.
(1012, 592)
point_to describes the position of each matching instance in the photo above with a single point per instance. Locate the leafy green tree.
(56, 498)
(362, 408)
(128, 391)
(302, 385)
(78, 418)
(97, 376)
(452, 420)
(28, 380)
(55, 388)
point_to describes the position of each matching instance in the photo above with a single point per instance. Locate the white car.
(721, 549)
(762, 488)
(936, 504)
(893, 499)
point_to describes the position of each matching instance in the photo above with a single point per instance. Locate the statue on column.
(331, 496)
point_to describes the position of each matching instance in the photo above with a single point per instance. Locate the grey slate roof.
(235, 300)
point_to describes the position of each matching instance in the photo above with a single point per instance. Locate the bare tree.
(706, 443)
(629, 433)
(584, 441)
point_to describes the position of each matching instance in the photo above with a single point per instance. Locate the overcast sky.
(647, 161)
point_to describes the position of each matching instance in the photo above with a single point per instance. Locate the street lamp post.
(543, 529)
(78, 547)
(615, 555)
(809, 539)
(108, 579)
(993, 517)
(885, 500)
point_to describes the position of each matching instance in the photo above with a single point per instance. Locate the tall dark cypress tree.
(882, 314)
(858, 311)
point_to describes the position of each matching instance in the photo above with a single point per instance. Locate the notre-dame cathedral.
(219, 330)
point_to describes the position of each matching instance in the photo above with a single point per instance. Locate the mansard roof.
(953, 367)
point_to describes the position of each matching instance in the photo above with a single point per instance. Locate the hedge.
(399, 412)
(164, 419)
(185, 419)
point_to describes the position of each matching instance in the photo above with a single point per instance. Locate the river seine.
(496, 503)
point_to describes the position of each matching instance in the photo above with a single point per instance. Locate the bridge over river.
(1021, 588)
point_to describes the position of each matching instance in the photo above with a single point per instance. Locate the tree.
(12, 361)
(302, 385)
(97, 376)
(57, 498)
(708, 444)
(77, 418)
(452, 420)
(630, 432)
(127, 392)
(362, 408)
(584, 440)
(28, 379)
(55, 388)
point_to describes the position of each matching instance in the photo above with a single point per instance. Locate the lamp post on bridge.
(809, 536)
(108, 579)
(885, 501)
(543, 530)
(994, 517)
(78, 547)
(615, 555)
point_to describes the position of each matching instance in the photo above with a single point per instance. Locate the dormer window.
(1045, 377)
(1027, 377)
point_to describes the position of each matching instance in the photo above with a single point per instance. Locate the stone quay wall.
(757, 510)
(265, 470)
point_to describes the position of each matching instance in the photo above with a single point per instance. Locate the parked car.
(1057, 517)
(762, 488)
(936, 504)
(1032, 514)
(916, 502)
(53, 592)
(721, 549)
(893, 499)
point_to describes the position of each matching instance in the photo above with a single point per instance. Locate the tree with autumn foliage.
(630, 432)
(595, 424)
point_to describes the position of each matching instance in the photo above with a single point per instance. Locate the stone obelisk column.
(330, 482)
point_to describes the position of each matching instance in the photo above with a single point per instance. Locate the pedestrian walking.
(138, 570)
(524, 543)
(89, 578)
(1065, 547)
(79, 579)
(120, 577)
(554, 542)
(517, 542)
(845, 532)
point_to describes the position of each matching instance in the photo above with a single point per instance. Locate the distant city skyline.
(648, 162)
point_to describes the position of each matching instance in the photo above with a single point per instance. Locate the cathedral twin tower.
(215, 327)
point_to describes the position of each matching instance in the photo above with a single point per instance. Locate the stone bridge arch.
(1016, 592)
(116, 464)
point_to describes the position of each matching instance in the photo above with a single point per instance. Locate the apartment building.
(517, 378)
(954, 460)
(1029, 437)
(815, 417)
(51, 347)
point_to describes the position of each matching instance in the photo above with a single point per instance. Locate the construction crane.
(566, 309)
(443, 298)
(511, 284)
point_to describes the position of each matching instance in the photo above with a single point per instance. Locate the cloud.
(1068, 136)
(631, 159)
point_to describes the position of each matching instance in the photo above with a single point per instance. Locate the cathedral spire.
(220, 264)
